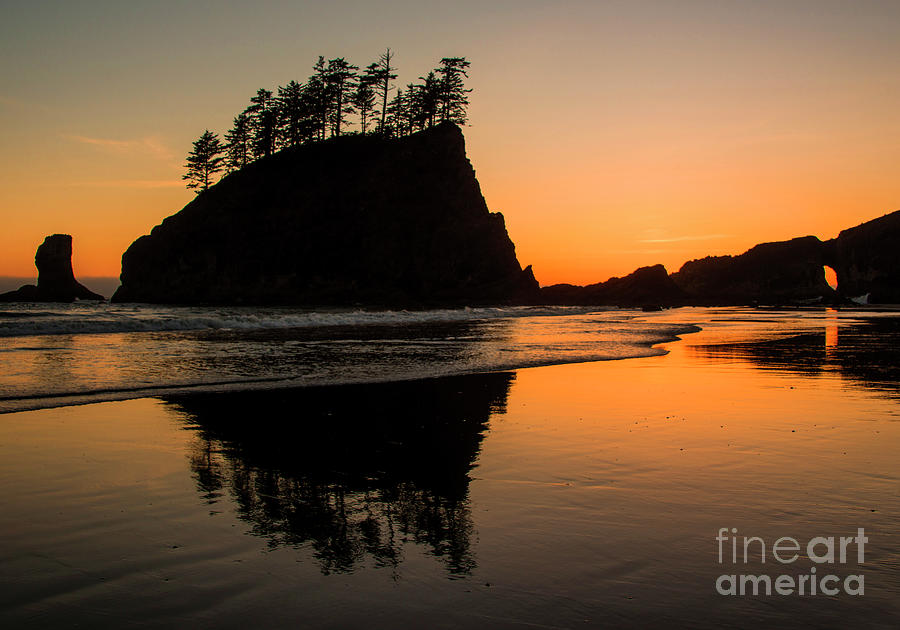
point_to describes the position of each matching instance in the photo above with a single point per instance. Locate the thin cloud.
(149, 144)
(647, 251)
(103, 142)
(679, 239)
(130, 183)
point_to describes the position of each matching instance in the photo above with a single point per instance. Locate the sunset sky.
(611, 134)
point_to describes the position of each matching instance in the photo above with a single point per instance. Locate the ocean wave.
(73, 354)
(642, 344)
(79, 320)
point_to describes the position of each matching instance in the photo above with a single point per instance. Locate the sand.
(582, 495)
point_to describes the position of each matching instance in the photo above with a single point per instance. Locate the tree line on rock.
(301, 113)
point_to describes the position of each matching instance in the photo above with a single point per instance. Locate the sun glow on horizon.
(610, 137)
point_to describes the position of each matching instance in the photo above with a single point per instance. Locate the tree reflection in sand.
(352, 472)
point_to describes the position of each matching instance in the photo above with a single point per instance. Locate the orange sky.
(610, 134)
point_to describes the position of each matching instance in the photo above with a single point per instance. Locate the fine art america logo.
(823, 551)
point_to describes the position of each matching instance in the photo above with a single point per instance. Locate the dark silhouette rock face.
(866, 259)
(56, 280)
(643, 287)
(771, 273)
(353, 220)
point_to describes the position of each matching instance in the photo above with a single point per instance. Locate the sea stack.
(56, 280)
(354, 220)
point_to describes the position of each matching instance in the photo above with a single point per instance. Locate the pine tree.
(293, 119)
(397, 114)
(264, 122)
(318, 97)
(384, 75)
(452, 98)
(204, 161)
(342, 82)
(305, 112)
(237, 143)
(403, 111)
(424, 101)
(363, 98)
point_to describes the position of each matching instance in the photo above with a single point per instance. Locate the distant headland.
(866, 261)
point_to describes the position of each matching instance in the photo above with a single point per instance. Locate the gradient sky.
(610, 134)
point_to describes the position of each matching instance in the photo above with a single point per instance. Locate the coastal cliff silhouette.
(350, 220)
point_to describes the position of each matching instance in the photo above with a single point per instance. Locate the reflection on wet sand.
(865, 354)
(354, 472)
(596, 499)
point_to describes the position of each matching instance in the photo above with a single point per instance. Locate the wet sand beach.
(564, 496)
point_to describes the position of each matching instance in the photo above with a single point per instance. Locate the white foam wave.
(641, 343)
(113, 319)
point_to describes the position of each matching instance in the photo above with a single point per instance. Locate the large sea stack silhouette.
(351, 220)
(56, 280)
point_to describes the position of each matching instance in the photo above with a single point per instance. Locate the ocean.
(53, 355)
(473, 468)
